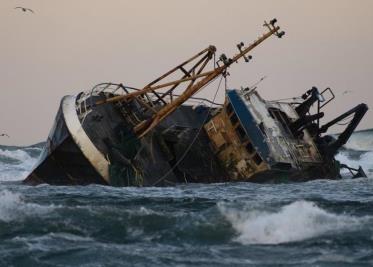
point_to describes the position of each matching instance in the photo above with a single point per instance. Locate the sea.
(316, 223)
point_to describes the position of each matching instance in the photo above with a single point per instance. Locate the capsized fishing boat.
(163, 135)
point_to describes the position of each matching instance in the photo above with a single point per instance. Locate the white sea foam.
(294, 222)
(365, 161)
(13, 207)
(360, 141)
(18, 154)
(20, 165)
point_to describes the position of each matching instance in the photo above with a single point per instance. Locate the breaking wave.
(362, 141)
(16, 162)
(297, 221)
(358, 151)
(13, 207)
(364, 160)
(228, 224)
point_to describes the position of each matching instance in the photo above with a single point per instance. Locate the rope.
(193, 141)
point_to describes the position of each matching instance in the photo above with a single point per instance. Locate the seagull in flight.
(25, 9)
(4, 134)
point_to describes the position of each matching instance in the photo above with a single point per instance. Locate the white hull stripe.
(89, 150)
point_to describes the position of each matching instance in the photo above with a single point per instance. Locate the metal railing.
(85, 100)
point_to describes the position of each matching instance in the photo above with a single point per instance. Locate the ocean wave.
(364, 160)
(361, 141)
(19, 155)
(297, 221)
(358, 152)
(16, 163)
(13, 207)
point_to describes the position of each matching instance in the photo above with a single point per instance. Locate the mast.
(195, 76)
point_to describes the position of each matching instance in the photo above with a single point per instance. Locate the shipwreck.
(162, 135)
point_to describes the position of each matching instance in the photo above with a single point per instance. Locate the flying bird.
(24, 9)
(4, 134)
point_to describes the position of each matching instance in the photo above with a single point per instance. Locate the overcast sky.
(70, 45)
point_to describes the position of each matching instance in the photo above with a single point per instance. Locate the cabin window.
(241, 132)
(250, 148)
(257, 159)
(229, 109)
(234, 119)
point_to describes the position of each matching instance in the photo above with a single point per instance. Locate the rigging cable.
(194, 139)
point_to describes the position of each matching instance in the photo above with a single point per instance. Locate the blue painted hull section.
(250, 125)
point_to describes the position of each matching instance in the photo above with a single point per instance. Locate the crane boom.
(191, 76)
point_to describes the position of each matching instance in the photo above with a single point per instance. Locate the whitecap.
(13, 207)
(15, 164)
(297, 221)
(362, 141)
(365, 161)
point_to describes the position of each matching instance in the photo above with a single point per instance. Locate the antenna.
(247, 58)
(271, 26)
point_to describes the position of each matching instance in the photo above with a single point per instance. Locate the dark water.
(318, 223)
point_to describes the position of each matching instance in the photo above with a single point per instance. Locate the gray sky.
(68, 46)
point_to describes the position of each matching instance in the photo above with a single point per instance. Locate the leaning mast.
(192, 75)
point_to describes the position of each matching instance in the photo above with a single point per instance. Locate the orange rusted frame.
(151, 89)
(145, 126)
(148, 88)
(210, 49)
(205, 60)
